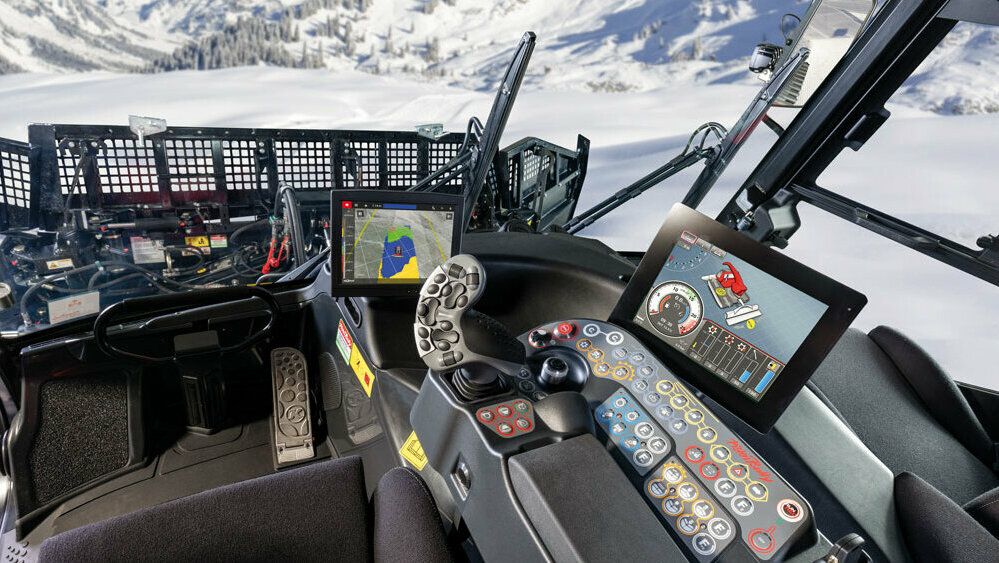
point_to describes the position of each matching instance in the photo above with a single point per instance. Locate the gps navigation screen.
(394, 243)
(740, 323)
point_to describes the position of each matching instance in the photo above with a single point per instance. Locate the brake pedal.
(292, 418)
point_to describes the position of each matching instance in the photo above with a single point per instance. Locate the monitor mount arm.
(450, 335)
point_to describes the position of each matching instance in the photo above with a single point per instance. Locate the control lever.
(452, 336)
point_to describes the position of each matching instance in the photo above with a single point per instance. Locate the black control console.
(703, 482)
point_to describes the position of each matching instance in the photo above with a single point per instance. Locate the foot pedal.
(292, 417)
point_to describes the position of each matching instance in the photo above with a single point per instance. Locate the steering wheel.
(144, 306)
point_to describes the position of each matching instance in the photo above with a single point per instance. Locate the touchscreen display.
(394, 243)
(740, 323)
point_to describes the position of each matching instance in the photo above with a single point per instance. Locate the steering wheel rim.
(187, 299)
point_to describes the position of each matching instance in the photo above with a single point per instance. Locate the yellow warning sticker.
(200, 241)
(412, 451)
(361, 369)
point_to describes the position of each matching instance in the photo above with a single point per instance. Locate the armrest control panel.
(707, 485)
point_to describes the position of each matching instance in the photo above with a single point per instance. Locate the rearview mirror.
(828, 30)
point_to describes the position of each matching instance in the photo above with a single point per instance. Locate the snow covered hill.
(584, 45)
(70, 35)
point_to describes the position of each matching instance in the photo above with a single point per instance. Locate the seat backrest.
(877, 400)
(313, 512)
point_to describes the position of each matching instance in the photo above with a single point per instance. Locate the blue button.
(745, 376)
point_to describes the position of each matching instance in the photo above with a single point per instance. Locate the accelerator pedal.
(292, 418)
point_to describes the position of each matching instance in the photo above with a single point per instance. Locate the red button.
(565, 330)
(694, 454)
(762, 540)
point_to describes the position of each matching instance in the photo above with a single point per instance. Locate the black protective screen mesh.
(82, 433)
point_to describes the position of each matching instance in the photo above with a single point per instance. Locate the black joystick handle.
(450, 335)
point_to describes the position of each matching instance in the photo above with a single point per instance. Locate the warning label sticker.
(219, 241)
(74, 307)
(147, 251)
(344, 342)
(361, 370)
(200, 242)
(412, 451)
(61, 264)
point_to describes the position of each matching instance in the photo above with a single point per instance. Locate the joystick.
(452, 336)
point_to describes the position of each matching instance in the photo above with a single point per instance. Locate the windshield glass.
(92, 214)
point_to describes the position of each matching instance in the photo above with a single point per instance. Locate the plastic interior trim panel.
(337, 197)
(843, 305)
(839, 459)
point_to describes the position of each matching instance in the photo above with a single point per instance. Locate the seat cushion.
(877, 401)
(314, 513)
(407, 524)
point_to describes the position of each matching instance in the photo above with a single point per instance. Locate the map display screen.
(387, 243)
(730, 317)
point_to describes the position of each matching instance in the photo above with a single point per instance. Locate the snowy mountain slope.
(592, 44)
(584, 45)
(69, 35)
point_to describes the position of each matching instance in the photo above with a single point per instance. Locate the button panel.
(765, 512)
(688, 508)
(508, 419)
(632, 430)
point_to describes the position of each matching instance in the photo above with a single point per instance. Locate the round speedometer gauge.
(675, 309)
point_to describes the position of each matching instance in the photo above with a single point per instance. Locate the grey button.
(644, 429)
(658, 445)
(725, 487)
(643, 458)
(720, 528)
(703, 544)
(742, 506)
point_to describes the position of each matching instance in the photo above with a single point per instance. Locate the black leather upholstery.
(907, 411)
(936, 529)
(319, 512)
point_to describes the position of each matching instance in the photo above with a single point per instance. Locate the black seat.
(318, 512)
(908, 412)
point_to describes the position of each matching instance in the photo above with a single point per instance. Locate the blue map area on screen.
(735, 320)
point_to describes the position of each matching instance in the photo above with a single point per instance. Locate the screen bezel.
(844, 304)
(337, 197)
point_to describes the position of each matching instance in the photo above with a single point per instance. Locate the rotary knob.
(553, 372)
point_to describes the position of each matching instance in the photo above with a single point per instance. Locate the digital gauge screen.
(740, 323)
(745, 324)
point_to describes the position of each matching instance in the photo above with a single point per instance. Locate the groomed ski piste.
(930, 169)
